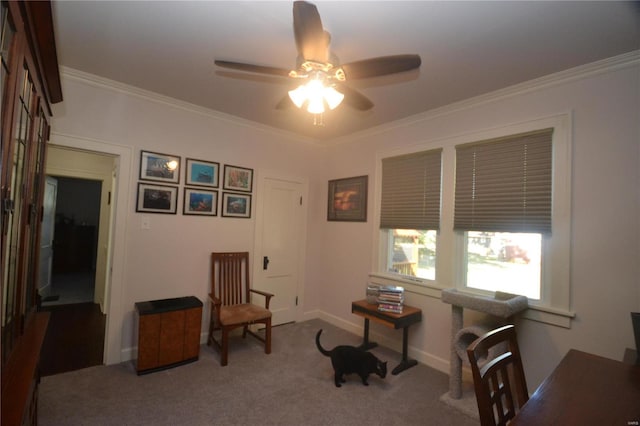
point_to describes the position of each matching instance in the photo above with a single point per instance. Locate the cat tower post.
(503, 306)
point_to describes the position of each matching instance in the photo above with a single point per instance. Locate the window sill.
(543, 314)
(547, 315)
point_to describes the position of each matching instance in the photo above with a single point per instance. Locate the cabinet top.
(167, 305)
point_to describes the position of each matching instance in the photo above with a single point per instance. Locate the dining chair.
(231, 303)
(499, 383)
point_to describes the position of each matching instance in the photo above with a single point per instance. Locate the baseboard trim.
(421, 356)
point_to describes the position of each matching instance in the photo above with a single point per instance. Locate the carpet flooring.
(291, 386)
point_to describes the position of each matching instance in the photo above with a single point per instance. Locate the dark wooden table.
(585, 389)
(409, 315)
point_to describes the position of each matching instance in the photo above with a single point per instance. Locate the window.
(412, 252)
(504, 261)
(483, 239)
(410, 212)
(503, 206)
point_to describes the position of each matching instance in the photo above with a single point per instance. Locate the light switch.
(146, 222)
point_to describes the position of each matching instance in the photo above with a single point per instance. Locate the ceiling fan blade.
(382, 65)
(254, 77)
(260, 69)
(354, 98)
(311, 40)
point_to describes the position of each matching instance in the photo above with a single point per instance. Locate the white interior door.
(47, 235)
(280, 241)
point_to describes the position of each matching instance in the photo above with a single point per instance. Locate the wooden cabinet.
(29, 84)
(168, 333)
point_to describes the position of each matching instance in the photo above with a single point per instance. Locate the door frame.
(261, 176)
(116, 257)
(105, 177)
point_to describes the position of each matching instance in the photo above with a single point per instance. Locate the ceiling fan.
(322, 77)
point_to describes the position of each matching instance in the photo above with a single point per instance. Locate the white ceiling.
(467, 49)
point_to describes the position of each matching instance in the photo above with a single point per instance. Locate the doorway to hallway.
(76, 219)
(74, 262)
(75, 336)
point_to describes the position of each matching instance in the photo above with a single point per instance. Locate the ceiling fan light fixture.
(315, 94)
(299, 95)
(333, 97)
(315, 106)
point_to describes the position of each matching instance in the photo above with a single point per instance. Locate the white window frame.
(554, 306)
(381, 238)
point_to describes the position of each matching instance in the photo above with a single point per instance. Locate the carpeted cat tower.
(500, 309)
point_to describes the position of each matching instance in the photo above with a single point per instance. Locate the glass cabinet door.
(14, 217)
(41, 133)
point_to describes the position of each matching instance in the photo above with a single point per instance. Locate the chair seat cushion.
(241, 314)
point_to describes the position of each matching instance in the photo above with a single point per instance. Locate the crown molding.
(562, 77)
(115, 86)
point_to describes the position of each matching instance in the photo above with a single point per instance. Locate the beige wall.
(171, 259)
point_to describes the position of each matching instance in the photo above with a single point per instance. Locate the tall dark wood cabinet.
(30, 83)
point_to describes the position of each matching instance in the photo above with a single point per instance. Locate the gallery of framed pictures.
(201, 179)
(347, 200)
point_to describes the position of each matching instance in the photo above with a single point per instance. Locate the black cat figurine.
(350, 359)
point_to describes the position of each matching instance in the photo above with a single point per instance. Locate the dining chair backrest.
(635, 322)
(499, 383)
(231, 304)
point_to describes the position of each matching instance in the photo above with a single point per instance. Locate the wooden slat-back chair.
(231, 306)
(500, 384)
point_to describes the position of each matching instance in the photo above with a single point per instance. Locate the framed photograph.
(348, 199)
(199, 202)
(201, 173)
(159, 167)
(157, 198)
(236, 205)
(238, 178)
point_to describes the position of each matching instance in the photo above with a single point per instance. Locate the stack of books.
(391, 299)
(372, 293)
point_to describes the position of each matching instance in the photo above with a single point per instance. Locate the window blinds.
(504, 185)
(411, 191)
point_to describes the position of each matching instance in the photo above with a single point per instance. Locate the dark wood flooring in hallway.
(74, 339)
